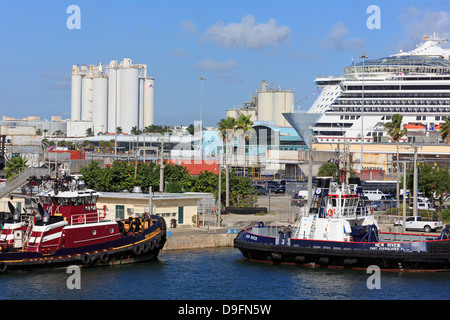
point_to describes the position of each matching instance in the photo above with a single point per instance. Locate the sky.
(232, 44)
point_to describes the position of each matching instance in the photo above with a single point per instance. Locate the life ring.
(105, 209)
(81, 219)
(330, 213)
(372, 210)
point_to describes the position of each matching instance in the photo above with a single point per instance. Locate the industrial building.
(111, 96)
(268, 105)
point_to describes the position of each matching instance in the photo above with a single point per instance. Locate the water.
(221, 274)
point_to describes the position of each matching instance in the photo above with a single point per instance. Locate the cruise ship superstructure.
(414, 84)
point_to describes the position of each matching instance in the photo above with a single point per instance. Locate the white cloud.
(188, 28)
(247, 34)
(220, 69)
(418, 23)
(180, 53)
(336, 39)
(215, 66)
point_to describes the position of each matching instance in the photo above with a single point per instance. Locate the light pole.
(201, 97)
(201, 123)
(363, 56)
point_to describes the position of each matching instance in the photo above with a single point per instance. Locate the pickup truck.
(419, 223)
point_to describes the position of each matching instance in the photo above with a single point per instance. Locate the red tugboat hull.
(126, 249)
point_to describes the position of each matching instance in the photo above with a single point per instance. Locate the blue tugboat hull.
(427, 255)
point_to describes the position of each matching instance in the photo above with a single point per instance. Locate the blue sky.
(233, 44)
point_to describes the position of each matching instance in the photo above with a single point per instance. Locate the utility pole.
(161, 167)
(404, 197)
(310, 172)
(363, 56)
(219, 194)
(227, 177)
(415, 184)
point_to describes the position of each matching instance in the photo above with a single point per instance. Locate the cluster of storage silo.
(272, 103)
(118, 95)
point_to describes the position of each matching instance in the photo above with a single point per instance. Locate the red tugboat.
(67, 229)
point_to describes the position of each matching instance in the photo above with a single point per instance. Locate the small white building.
(183, 207)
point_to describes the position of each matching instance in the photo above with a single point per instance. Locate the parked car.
(280, 189)
(377, 205)
(419, 223)
(423, 206)
(374, 195)
(383, 205)
(259, 189)
(298, 200)
(276, 187)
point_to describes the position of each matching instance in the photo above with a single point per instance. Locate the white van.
(303, 193)
(374, 195)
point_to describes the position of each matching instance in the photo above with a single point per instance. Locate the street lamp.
(363, 56)
(201, 97)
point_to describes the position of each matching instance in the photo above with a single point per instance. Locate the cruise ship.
(357, 105)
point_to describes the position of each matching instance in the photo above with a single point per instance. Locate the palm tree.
(14, 166)
(396, 132)
(245, 123)
(445, 130)
(226, 128)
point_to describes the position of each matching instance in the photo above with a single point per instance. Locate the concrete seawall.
(198, 240)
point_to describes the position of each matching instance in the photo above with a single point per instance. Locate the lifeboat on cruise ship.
(415, 127)
(65, 228)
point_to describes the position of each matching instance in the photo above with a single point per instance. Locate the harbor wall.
(199, 241)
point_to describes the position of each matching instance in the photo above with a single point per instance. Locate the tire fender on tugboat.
(3, 267)
(104, 257)
(137, 249)
(86, 258)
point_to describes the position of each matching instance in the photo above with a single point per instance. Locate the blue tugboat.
(340, 232)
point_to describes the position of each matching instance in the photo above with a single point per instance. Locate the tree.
(191, 129)
(244, 123)
(14, 166)
(135, 131)
(226, 127)
(396, 132)
(328, 170)
(433, 181)
(445, 130)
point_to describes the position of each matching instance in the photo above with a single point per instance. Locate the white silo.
(149, 94)
(112, 96)
(279, 103)
(86, 98)
(141, 103)
(100, 105)
(265, 106)
(289, 107)
(129, 98)
(232, 113)
(76, 95)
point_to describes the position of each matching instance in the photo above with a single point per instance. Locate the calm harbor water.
(221, 274)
